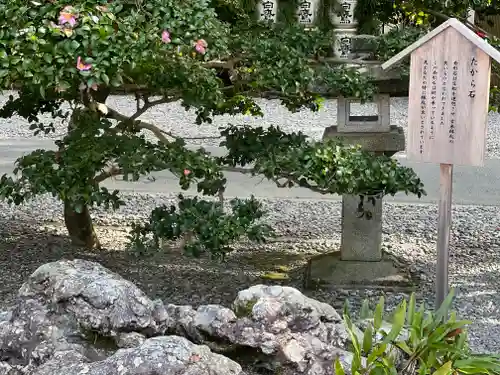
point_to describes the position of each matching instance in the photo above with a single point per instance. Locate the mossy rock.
(245, 310)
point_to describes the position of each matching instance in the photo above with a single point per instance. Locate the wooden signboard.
(448, 101)
(447, 112)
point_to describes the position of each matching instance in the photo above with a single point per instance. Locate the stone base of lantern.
(387, 143)
(330, 271)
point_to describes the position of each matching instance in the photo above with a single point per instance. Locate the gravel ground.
(308, 228)
(172, 117)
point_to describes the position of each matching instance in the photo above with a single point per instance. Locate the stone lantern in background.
(360, 259)
(306, 11)
(345, 26)
(268, 10)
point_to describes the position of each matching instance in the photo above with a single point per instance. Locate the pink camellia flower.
(80, 65)
(187, 172)
(200, 49)
(165, 36)
(201, 46)
(67, 17)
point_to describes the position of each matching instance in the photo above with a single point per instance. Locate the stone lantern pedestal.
(361, 261)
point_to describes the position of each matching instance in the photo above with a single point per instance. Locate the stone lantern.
(360, 262)
(345, 26)
(362, 238)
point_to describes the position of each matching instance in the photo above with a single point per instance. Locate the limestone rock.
(96, 297)
(294, 332)
(158, 355)
(6, 369)
(77, 317)
(75, 305)
(306, 311)
(130, 340)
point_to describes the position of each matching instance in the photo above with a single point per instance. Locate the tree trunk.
(80, 227)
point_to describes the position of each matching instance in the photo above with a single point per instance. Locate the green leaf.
(105, 78)
(411, 310)
(423, 369)
(115, 82)
(338, 367)
(444, 369)
(444, 308)
(353, 336)
(74, 45)
(397, 323)
(378, 315)
(368, 339)
(346, 308)
(365, 310)
(438, 334)
(404, 347)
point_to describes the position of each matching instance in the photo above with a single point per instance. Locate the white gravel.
(409, 230)
(172, 117)
(409, 235)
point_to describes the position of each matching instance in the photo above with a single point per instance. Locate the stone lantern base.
(330, 271)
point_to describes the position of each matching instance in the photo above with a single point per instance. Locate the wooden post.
(444, 226)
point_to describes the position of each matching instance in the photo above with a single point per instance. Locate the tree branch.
(276, 180)
(462, 19)
(111, 172)
(159, 133)
(147, 104)
(115, 115)
(220, 64)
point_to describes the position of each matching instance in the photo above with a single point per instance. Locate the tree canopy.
(214, 57)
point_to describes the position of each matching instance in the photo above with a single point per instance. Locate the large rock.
(294, 333)
(73, 317)
(97, 298)
(159, 355)
(77, 317)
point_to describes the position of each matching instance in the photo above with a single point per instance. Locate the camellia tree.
(214, 57)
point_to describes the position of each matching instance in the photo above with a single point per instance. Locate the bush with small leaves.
(201, 226)
(326, 167)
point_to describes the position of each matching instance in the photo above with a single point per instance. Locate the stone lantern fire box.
(376, 122)
(361, 260)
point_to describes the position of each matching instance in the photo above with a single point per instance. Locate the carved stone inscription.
(305, 12)
(268, 10)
